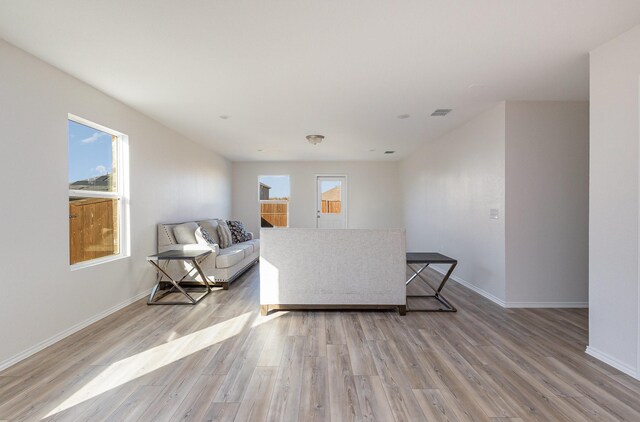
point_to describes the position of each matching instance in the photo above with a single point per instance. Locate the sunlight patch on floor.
(128, 369)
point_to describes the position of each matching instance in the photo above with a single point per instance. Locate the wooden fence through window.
(276, 214)
(93, 224)
(331, 207)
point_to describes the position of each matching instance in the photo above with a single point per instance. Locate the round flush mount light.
(403, 116)
(315, 139)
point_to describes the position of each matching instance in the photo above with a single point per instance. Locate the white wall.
(547, 203)
(448, 188)
(529, 160)
(372, 190)
(613, 252)
(172, 179)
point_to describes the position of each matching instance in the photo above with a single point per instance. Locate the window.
(330, 196)
(274, 194)
(97, 187)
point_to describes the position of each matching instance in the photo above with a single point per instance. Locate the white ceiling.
(283, 69)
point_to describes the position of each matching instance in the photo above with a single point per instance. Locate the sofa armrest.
(190, 247)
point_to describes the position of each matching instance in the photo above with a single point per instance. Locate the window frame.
(275, 201)
(121, 194)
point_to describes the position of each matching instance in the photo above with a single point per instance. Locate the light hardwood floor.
(220, 360)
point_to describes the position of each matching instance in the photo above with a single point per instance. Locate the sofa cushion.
(249, 247)
(238, 233)
(185, 233)
(246, 248)
(211, 226)
(224, 234)
(229, 257)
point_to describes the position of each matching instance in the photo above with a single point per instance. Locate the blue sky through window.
(280, 187)
(90, 152)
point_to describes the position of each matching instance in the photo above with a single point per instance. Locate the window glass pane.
(274, 194)
(331, 196)
(92, 164)
(93, 228)
(274, 188)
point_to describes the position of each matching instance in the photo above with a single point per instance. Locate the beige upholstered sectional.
(222, 266)
(332, 268)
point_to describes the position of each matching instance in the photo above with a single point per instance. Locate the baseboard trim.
(611, 361)
(547, 305)
(66, 333)
(511, 305)
(472, 287)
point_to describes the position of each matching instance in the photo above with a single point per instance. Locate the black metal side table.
(424, 259)
(191, 256)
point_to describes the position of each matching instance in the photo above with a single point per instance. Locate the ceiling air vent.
(441, 112)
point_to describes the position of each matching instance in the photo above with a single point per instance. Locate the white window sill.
(98, 261)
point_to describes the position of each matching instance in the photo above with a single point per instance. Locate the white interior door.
(332, 202)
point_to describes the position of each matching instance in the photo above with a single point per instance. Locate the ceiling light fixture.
(315, 139)
(389, 152)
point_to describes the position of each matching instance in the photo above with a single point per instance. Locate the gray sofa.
(222, 266)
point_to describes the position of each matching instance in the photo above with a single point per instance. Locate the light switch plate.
(494, 213)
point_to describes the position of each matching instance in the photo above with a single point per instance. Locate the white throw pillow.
(186, 233)
(224, 234)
